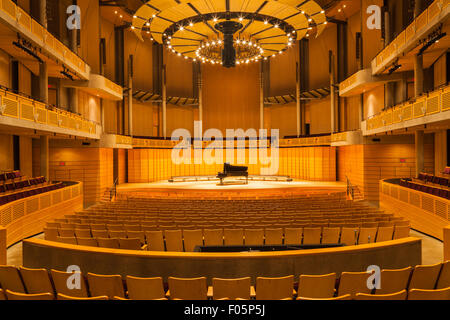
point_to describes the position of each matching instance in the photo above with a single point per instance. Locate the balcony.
(363, 81)
(25, 39)
(115, 141)
(97, 85)
(346, 138)
(18, 111)
(406, 45)
(427, 109)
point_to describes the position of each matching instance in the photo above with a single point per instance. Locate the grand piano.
(233, 171)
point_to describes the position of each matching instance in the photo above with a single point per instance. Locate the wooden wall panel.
(26, 156)
(179, 75)
(89, 106)
(282, 72)
(320, 115)
(372, 42)
(231, 97)
(143, 62)
(6, 152)
(5, 69)
(351, 165)
(373, 101)
(318, 57)
(180, 117)
(282, 117)
(90, 36)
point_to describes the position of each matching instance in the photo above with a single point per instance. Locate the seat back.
(349, 236)
(61, 296)
(10, 279)
(330, 235)
(293, 236)
(367, 235)
(444, 276)
(91, 242)
(231, 288)
(68, 240)
(130, 243)
(274, 288)
(99, 233)
(424, 294)
(66, 232)
(188, 289)
(11, 295)
(401, 295)
(317, 286)
(385, 234)
(192, 238)
(401, 232)
(213, 237)
(393, 280)
(136, 234)
(70, 284)
(233, 237)
(117, 234)
(105, 285)
(112, 243)
(425, 276)
(50, 233)
(155, 240)
(174, 240)
(254, 237)
(311, 235)
(36, 280)
(273, 236)
(353, 283)
(83, 233)
(145, 288)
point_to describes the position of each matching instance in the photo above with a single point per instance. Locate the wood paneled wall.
(90, 34)
(89, 106)
(282, 117)
(92, 166)
(310, 163)
(350, 161)
(283, 72)
(6, 152)
(231, 97)
(320, 116)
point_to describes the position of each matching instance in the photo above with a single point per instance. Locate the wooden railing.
(432, 103)
(26, 217)
(41, 34)
(19, 107)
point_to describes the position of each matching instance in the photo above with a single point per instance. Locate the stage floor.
(214, 189)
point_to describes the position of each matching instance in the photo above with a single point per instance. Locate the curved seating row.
(436, 191)
(28, 193)
(423, 282)
(188, 239)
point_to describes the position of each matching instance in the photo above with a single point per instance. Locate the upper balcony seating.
(446, 170)
(429, 178)
(436, 191)
(11, 175)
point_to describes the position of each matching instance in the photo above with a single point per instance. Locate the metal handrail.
(350, 188)
(113, 190)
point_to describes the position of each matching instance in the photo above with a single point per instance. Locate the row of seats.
(187, 240)
(14, 186)
(28, 193)
(423, 282)
(436, 191)
(10, 175)
(429, 178)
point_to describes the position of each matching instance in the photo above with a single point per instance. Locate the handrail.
(350, 188)
(113, 190)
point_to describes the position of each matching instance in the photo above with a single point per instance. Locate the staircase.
(110, 194)
(353, 192)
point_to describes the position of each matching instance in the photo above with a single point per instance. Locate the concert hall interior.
(224, 150)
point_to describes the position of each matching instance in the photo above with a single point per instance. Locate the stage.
(234, 188)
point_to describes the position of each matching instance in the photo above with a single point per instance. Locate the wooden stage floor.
(206, 189)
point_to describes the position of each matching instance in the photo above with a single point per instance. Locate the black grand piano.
(233, 171)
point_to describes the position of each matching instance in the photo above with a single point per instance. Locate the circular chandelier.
(228, 32)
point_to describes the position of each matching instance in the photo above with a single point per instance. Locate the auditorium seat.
(11, 295)
(353, 283)
(132, 227)
(367, 235)
(82, 233)
(213, 237)
(174, 241)
(253, 237)
(231, 289)
(36, 280)
(66, 232)
(317, 286)
(137, 234)
(99, 233)
(155, 240)
(192, 238)
(10, 279)
(293, 236)
(401, 232)
(349, 236)
(393, 280)
(401, 295)
(77, 280)
(50, 233)
(67, 240)
(311, 235)
(105, 285)
(384, 234)
(330, 235)
(61, 296)
(273, 236)
(425, 276)
(117, 233)
(130, 244)
(187, 288)
(444, 276)
(233, 237)
(145, 288)
(98, 226)
(275, 288)
(112, 243)
(344, 297)
(425, 294)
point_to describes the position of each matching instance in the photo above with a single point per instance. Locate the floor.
(432, 250)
